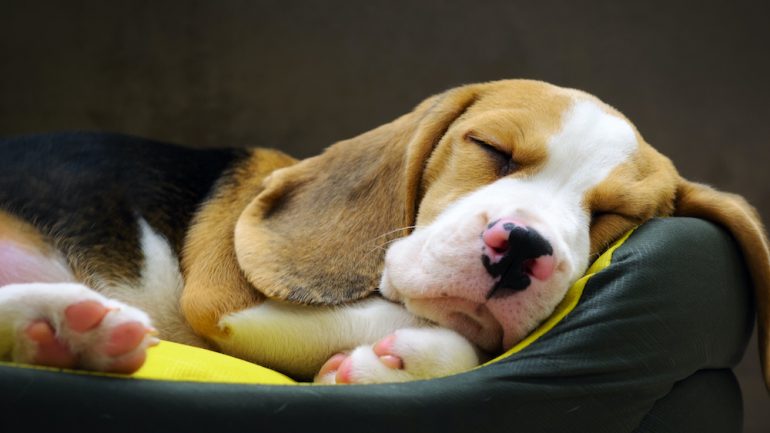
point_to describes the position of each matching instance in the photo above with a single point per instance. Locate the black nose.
(524, 244)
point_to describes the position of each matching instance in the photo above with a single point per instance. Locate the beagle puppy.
(411, 251)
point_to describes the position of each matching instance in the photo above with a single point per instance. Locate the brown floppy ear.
(734, 213)
(318, 232)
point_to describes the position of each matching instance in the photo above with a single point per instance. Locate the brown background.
(693, 76)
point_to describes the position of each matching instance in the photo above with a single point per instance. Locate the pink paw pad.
(125, 338)
(333, 364)
(128, 364)
(384, 350)
(84, 316)
(345, 371)
(339, 365)
(50, 351)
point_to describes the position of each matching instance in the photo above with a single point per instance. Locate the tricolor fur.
(470, 216)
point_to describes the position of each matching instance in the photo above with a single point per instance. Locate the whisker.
(393, 231)
(383, 245)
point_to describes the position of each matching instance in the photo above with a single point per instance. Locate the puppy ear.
(740, 218)
(645, 188)
(318, 232)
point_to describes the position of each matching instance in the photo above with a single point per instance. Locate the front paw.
(71, 326)
(407, 354)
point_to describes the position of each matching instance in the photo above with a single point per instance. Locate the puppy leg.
(407, 354)
(298, 339)
(71, 326)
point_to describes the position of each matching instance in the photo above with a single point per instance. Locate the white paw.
(71, 326)
(407, 354)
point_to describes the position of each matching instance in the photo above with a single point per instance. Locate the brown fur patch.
(23, 234)
(214, 282)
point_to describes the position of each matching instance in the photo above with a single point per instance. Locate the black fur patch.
(86, 191)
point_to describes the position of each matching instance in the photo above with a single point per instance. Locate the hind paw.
(71, 326)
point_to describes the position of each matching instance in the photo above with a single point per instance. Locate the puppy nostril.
(500, 249)
(527, 266)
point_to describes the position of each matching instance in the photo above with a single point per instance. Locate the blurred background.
(692, 76)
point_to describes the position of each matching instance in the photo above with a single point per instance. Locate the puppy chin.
(471, 320)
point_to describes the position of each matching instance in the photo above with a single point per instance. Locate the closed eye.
(503, 160)
(596, 215)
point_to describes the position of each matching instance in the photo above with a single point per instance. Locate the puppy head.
(519, 194)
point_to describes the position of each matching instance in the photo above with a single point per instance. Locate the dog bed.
(644, 342)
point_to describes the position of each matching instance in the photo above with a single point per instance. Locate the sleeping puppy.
(411, 251)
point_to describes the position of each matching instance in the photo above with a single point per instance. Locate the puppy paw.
(408, 354)
(71, 326)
